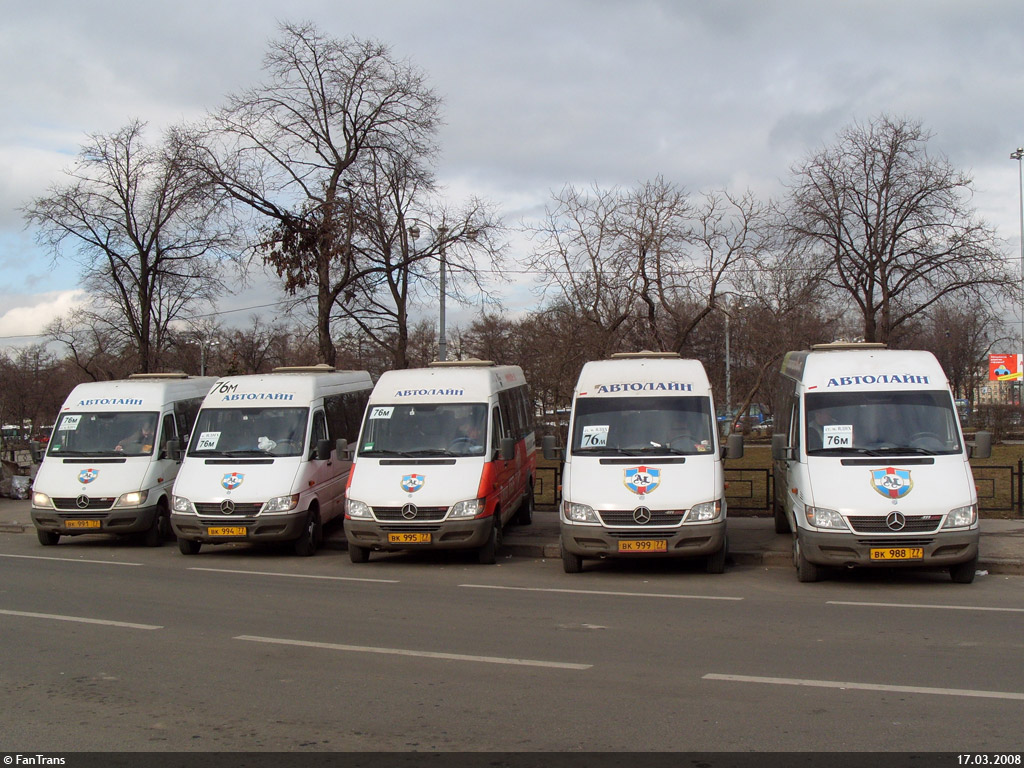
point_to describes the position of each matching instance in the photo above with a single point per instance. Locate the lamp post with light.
(439, 235)
(1018, 156)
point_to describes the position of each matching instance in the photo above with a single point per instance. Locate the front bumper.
(450, 534)
(122, 520)
(943, 548)
(694, 540)
(222, 530)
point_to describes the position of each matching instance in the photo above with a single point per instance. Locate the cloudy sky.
(707, 93)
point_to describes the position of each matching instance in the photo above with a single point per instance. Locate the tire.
(524, 515)
(806, 571)
(571, 563)
(779, 513)
(488, 553)
(154, 536)
(358, 554)
(716, 562)
(189, 547)
(305, 545)
(47, 538)
(963, 573)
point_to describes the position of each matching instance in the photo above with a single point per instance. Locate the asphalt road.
(110, 646)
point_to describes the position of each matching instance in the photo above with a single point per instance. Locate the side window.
(319, 430)
(167, 432)
(500, 427)
(794, 427)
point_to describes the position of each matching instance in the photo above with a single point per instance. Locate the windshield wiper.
(604, 451)
(383, 452)
(904, 449)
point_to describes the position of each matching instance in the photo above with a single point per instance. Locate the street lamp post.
(1018, 156)
(439, 234)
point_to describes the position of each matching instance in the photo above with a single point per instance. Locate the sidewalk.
(752, 540)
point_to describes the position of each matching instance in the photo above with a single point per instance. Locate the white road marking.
(868, 687)
(71, 560)
(80, 619)
(419, 654)
(925, 605)
(296, 575)
(599, 592)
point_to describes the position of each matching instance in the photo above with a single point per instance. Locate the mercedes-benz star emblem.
(409, 511)
(227, 507)
(642, 515)
(896, 521)
(82, 502)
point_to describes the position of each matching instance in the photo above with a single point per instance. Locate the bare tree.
(405, 236)
(892, 224)
(284, 150)
(145, 230)
(648, 264)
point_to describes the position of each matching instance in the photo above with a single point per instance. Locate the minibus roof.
(848, 367)
(460, 381)
(146, 392)
(295, 387)
(644, 375)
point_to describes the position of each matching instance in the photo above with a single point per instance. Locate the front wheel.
(963, 573)
(488, 553)
(524, 515)
(189, 547)
(47, 538)
(358, 554)
(571, 563)
(806, 571)
(305, 545)
(716, 561)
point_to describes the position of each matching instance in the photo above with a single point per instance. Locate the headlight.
(962, 517)
(465, 509)
(41, 500)
(281, 504)
(182, 505)
(703, 513)
(824, 518)
(579, 513)
(133, 499)
(357, 509)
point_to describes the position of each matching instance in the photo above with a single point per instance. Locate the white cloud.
(25, 322)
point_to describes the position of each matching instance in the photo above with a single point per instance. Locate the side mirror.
(734, 447)
(550, 448)
(172, 450)
(780, 451)
(322, 452)
(982, 448)
(341, 448)
(507, 449)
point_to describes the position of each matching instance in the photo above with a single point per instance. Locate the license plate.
(226, 530)
(81, 523)
(898, 553)
(643, 545)
(408, 538)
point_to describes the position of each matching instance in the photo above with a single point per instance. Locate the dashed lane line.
(417, 654)
(868, 687)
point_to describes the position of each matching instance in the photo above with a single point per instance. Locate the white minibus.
(107, 467)
(445, 459)
(642, 474)
(870, 465)
(268, 461)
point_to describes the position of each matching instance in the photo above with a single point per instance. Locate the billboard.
(1004, 367)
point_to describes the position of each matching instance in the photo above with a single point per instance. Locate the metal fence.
(749, 491)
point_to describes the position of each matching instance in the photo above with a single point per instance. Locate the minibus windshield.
(236, 432)
(881, 423)
(642, 426)
(106, 433)
(425, 430)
